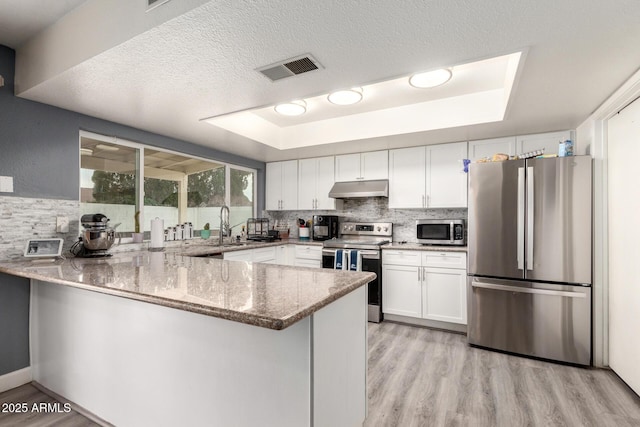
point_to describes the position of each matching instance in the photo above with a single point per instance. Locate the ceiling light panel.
(430, 78)
(293, 108)
(346, 97)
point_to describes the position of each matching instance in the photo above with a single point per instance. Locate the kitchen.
(40, 125)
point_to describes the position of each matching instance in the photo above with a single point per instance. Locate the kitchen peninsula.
(158, 338)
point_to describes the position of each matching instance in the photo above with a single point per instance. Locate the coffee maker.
(97, 237)
(325, 227)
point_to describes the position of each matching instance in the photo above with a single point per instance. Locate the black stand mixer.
(97, 237)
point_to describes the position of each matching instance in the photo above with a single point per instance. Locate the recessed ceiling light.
(86, 151)
(107, 147)
(430, 78)
(293, 108)
(346, 96)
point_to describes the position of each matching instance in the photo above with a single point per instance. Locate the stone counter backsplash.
(26, 218)
(371, 209)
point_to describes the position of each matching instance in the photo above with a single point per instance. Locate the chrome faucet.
(224, 223)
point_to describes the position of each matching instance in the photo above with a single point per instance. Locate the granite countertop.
(419, 247)
(266, 295)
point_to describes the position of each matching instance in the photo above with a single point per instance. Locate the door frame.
(592, 139)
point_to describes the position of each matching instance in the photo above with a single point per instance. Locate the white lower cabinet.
(298, 255)
(444, 295)
(265, 255)
(244, 255)
(285, 254)
(425, 284)
(308, 256)
(401, 290)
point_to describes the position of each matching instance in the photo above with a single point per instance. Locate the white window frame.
(141, 147)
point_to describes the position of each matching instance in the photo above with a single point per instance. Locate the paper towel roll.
(157, 234)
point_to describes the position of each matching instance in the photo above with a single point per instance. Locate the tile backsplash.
(26, 218)
(371, 209)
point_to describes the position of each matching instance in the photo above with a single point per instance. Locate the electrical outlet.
(6, 184)
(62, 224)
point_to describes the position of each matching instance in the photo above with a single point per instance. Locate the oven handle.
(365, 253)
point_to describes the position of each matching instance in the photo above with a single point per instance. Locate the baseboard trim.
(15, 379)
(433, 324)
(79, 409)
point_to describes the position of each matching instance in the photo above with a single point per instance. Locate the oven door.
(371, 262)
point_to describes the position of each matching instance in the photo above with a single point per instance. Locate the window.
(177, 188)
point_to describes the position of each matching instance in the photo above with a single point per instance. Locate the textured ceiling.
(202, 63)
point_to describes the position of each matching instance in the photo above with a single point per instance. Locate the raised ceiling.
(165, 70)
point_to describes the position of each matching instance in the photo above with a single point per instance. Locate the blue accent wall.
(14, 323)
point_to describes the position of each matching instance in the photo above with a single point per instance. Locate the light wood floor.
(427, 378)
(421, 377)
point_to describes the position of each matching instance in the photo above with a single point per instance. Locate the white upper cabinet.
(282, 185)
(362, 166)
(446, 180)
(428, 177)
(407, 177)
(549, 141)
(488, 147)
(315, 179)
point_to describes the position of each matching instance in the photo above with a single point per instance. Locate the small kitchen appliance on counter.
(325, 227)
(97, 237)
(448, 232)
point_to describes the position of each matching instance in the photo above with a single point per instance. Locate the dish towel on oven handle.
(355, 260)
(341, 261)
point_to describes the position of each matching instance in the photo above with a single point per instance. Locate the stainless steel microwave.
(441, 232)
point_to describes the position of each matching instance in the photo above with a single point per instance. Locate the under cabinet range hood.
(353, 189)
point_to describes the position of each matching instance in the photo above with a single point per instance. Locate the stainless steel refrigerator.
(529, 245)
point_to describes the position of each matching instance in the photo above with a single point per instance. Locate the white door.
(549, 141)
(446, 181)
(325, 179)
(289, 194)
(374, 165)
(273, 186)
(348, 167)
(624, 251)
(407, 178)
(401, 290)
(444, 296)
(488, 147)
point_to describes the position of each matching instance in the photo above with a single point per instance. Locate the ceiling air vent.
(290, 67)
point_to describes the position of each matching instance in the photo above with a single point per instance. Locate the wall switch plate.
(6, 184)
(62, 224)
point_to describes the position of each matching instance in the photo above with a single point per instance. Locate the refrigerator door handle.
(520, 222)
(527, 290)
(530, 210)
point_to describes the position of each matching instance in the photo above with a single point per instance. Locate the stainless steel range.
(367, 238)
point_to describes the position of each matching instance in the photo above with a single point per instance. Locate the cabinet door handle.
(419, 279)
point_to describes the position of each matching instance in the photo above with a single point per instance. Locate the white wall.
(624, 251)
